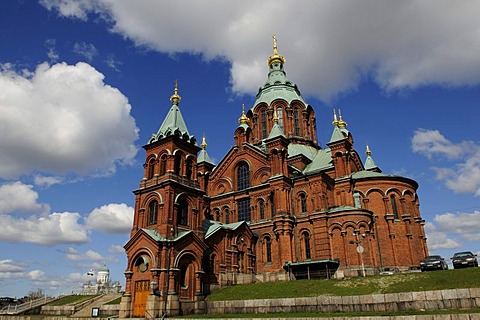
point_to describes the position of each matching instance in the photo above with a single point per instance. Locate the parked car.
(464, 259)
(433, 263)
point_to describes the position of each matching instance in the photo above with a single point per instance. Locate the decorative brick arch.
(148, 198)
(188, 264)
(223, 185)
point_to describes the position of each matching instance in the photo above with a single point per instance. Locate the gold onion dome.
(368, 152)
(341, 123)
(175, 98)
(275, 57)
(204, 143)
(243, 118)
(335, 120)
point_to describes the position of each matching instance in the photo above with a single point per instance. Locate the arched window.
(268, 250)
(244, 210)
(272, 205)
(263, 122)
(394, 206)
(243, 176)
(151, 168)
(306, 239)
(217, 215)
(227, 215)
(296, 119)
(152, 212)
(182, 214)
(280, 117)
(177, 165)
(163, 165)
(303, 202)
(189, 168)
(261, 206)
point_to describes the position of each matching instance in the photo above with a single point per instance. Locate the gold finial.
(275, 115)
(275, 57)
(175, 98)
(368, 152)
(243, 118)
(341, 123)
(204, 143)
(335, 120)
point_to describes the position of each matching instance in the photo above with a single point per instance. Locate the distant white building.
(103, 284)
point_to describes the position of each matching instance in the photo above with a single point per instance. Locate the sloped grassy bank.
(408, 282)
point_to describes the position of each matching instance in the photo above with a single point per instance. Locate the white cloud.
(466, 225)
(10, 266)
(67, 117)
(45, 230)
(43, 181)
(116, 249)
(86, 50)
(73, 254)
(17, 196)
(439, 240)
(111, 218)
(450, 230)
(112, 62)
(332, 44)
(52, 54)
(76, 8)
(432, 142)
(36, 275)
(78, 277)
(464, 175)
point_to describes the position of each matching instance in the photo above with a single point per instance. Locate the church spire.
(175, 98)
(275, 57)
(243, 118)
(203, 155)
(174, 121)
(276, 129)
(369, 163)
(335, 120)
(341, 123)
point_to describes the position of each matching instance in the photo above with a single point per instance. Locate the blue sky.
(83, 85)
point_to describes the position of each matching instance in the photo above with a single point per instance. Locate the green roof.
(322, 160)
(369, 174)
(370, 164)
(172, 124)
(203, 157)
(278, 87)
(307, 151)
(157, 237)
(210, 227)
(339, 134)
(276, 132)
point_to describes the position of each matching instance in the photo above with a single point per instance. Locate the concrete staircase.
(86, 311)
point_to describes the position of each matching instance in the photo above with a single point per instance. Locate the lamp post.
(360, 250)
(153, 286)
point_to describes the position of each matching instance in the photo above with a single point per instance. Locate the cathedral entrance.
(142, 289)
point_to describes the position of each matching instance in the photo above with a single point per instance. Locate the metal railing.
(19, 308)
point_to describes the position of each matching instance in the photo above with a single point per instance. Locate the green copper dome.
(277, 86)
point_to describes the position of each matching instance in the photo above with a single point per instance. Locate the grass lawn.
(73, 299)
(407, 282)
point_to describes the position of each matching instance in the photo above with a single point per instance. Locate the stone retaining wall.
(423, 300)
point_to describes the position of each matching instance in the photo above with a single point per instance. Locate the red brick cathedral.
(278, 206)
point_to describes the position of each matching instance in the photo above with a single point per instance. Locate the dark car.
(433, 263)
(464, 260)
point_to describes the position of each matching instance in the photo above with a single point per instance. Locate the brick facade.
(277, 206)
